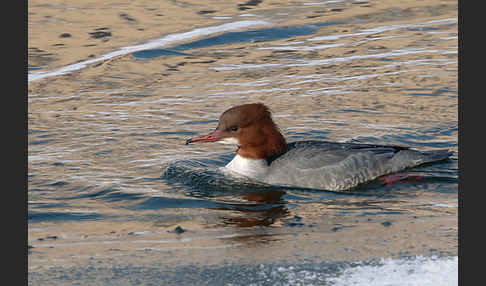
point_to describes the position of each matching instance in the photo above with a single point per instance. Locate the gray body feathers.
(341, 166)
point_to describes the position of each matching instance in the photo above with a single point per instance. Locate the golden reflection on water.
(387, 73)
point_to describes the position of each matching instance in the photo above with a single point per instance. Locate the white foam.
(157, 43)
(423, 271)
(420, 270)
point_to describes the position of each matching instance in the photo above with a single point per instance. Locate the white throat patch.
(230, 140)
(253, 168)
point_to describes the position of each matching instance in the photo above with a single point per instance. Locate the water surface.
(114, 195)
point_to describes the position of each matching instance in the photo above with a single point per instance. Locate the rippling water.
(114, 195)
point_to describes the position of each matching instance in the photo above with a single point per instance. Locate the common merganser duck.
(264, 155)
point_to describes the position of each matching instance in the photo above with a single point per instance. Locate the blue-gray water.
(115, 197)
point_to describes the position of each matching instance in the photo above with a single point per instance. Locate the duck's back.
(341, 166)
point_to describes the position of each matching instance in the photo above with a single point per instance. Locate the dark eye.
(234, 128)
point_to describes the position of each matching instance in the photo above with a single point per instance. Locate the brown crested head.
(253, 130)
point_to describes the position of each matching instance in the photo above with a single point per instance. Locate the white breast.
(253, 168)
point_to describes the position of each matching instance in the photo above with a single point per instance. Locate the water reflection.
(246, 203)
(266, 209)
(106, 129)
(267, 34)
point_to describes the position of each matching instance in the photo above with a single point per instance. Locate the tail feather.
(436, 155)
(411, 158)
